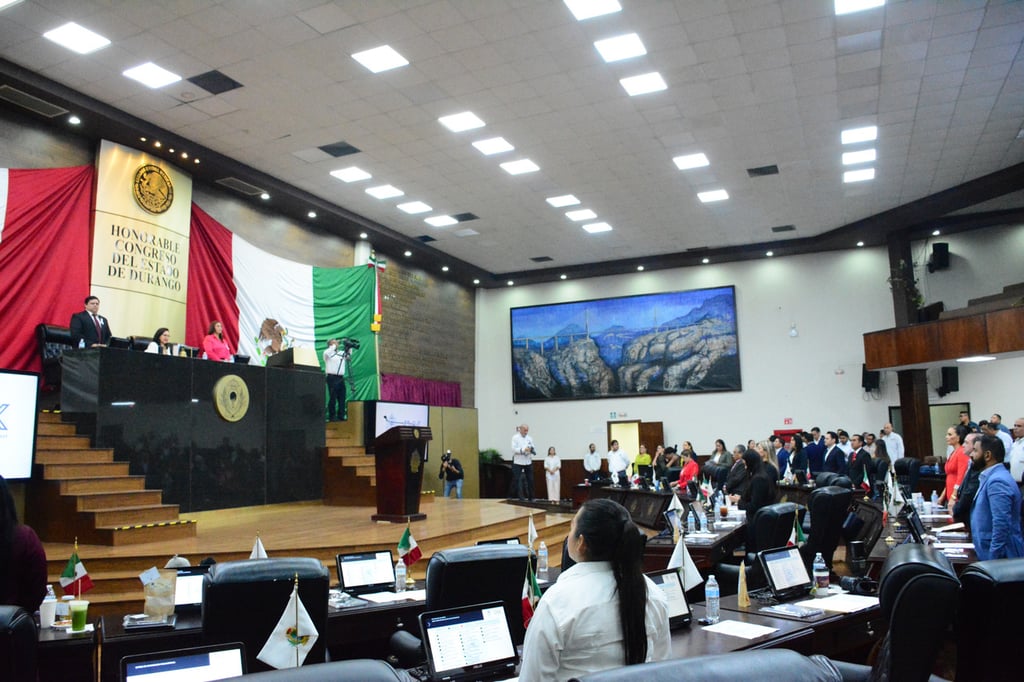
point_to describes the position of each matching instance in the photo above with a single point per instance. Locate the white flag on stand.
(531, 533)
(257, 550)
(681, 559)
(292, 637)
(676, 504)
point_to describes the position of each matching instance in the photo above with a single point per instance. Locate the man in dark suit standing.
(835, 458)
(859, 463)
(89, 326)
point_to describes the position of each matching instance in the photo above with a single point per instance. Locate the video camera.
(447, 456)
(348, 344)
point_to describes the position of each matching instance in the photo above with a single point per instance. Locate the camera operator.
(335, 362)
(522, 464)
(451, 472)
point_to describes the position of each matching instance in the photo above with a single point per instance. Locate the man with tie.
(835, 458)
(89, 326)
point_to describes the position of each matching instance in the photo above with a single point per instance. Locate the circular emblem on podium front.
(231, 397)
(416, 434)
(152, 188)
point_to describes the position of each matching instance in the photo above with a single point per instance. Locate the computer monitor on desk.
(366, 572)
(197, 664)
(786, 572)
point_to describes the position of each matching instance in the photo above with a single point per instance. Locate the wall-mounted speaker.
(950, 381)
(869, 380)
(939, 260)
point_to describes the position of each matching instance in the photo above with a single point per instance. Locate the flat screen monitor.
(188, 589)
(786, 572)
(366, 572)
(671, 584)
(19, 412)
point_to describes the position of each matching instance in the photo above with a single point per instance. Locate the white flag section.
(292, 638)
(531, 533)
(681, 559)
(894, 496)
(677, 505)
(258, 552)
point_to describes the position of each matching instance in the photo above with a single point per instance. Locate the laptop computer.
(671, 583)
(197, 664)
(500, 541)
(786, 573)
(914, 523)
(469, 643)
(188, 589)
(366, 572)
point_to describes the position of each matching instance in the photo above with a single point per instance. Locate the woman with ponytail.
(603, 612)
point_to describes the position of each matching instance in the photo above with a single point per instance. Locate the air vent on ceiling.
(215, 82)
(426, 238)
(542, 259)
(784, 228)
(463, 217)
(30, 102)
(762, 171)
(240, 186)
(339, 149)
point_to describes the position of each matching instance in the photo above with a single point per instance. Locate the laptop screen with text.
(198, 664)
(671, 585)
(366, 572)
(786, 572)
(469, 642)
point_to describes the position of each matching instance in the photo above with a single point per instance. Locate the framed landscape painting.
(653, 344)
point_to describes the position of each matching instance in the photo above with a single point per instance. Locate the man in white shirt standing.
(618, 462)
(1016, 456)
(522, 464)
(592, 463)
(893, 443)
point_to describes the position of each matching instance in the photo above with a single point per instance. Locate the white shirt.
(519, 443)
(334, 361)
(1016, 459)
(592, 461)
(894, 446)
(618, 460)
(1007, 442)
(845, 447)
(576, 628)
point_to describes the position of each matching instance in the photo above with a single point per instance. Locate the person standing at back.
(522, 463)
(88, 327)
(995, 516)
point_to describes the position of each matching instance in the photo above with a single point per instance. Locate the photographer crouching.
(336, 358)
(451, 472)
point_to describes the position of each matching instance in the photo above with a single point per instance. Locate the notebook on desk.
(366, 572)
(469, 643)
(786, 573)
(671, 583)
(198, 664)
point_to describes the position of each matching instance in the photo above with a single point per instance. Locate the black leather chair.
(243, 600)
(919, 593)
(362, 669)
(715, 473)
(53, 341)
(766, 665)
(770, 528)
(18, 643)
(825, 479)
(827, 509)
(470, 575)
(991, 598)
(908, 470)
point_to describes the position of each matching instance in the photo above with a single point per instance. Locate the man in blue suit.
(995, 517)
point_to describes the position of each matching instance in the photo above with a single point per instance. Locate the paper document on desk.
(841, 603)
(737, 628)
(387, 597)
(954, 545)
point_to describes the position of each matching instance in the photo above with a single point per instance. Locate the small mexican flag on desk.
(75, 579)
(408, 550)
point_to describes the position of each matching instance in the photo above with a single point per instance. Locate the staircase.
(350, 478)
(78, 491)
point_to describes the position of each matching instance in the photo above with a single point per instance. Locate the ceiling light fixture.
(860, 243)
(860, 156)
(444, 268)
(510, 282)
(769, 253)
(414, 207)
(363, 235)
(594, 228)
(385, 192)
(383, 58)
(620, 47)
(643, 84)
(441, 221)
(851, 6)
(476, 281)
(639, 268)
(76, 38)
(862, 134)
(408, 254)
(582, 214)
(151, 75)
(466, 120)
(195, 160)
(519, 167)
(935, 233)
(859, 175)
(351, 174)
(563, 200)
(158, 144)
(977, 358)
(563, 276)
(74, 120)
(311, 214)
(184, 155)
(264, 196)
(688, 161)
(493, 145)
(705, 261)
(712, 196)
(587, 9)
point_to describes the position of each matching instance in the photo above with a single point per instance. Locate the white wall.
(833, 298)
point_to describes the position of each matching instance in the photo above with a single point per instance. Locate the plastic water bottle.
(691, 527)
(81, 343)
(542, 561)
(820, 576)
(935, 502)
(400, 576)
(711, 599)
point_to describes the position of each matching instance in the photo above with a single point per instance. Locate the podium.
(400, 452)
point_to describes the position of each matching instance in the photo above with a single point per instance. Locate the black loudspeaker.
(869, 380)
(950, 381)
(939, 259)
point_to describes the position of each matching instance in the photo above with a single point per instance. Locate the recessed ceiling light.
(643, 84)
(158, 144)
(381, 58)
(311, 214)
(698, 160)
(705, 261)
(414, 207)
(862, 134)
(184, 155)
(587, 9)
(769, 253)
(195, 160)
(171, 150)
(493, 145)
(563, 276)
(713, 195)
(582, 214)
(441, 220)
(935, 233)
(408, 254)
(384, 192)
(639, 268)
(363, 235)
(444, 268)
(563, 200)
(76, 38)
(977, 358)
(151, 75)
(142, 139)
(860, 243)
(510, 282)
(519, 167)
(456, 123)
(476, 281)
(264, 196)
(74, 120)
(621, 47)
(861, 156)
(351, 174)
(851, 6)
(859, 175)
(594, 228)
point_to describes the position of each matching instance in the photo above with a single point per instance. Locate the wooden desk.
(898, 532)
(66, 657)
(695, 641)
(646, 507)
(705, 556)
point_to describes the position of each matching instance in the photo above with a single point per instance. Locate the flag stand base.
(398, 518)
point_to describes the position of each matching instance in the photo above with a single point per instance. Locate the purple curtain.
(402, 389)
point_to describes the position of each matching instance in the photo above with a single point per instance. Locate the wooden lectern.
(400, 453)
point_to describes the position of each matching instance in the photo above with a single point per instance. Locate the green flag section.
(343, 305)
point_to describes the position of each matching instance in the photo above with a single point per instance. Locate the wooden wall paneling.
(1005, 329)
(880, 349)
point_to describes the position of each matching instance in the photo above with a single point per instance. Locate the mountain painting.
(678, 342)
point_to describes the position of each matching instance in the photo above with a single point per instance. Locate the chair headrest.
(825, 478)
(259, 570)
(995, 571)
(907, 564)
(462, 555)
